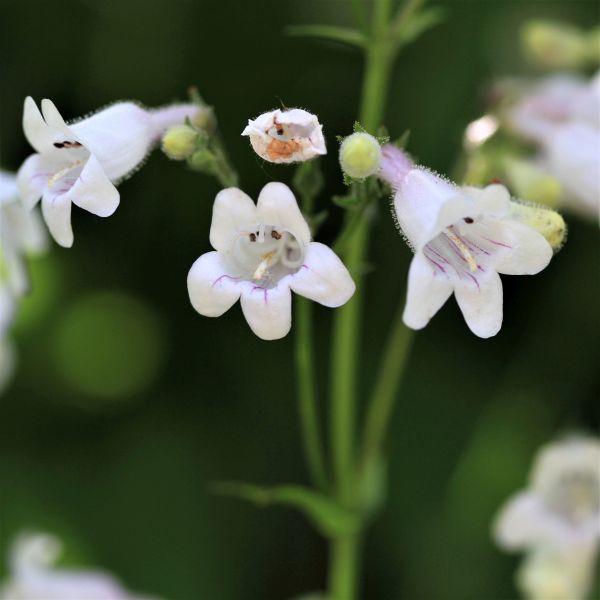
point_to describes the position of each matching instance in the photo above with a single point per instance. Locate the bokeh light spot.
(109, 346)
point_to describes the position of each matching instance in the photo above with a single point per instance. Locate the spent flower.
(286, 136)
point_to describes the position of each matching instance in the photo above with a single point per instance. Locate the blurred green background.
(127, 404)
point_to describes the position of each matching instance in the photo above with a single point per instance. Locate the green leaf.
(344, 35)
(402, 141)
(418, 24)
(347, 202)
(327, 516)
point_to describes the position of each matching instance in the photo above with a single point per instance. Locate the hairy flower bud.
(544, 220)
(360, 155)
(179, 142)
(555, 45)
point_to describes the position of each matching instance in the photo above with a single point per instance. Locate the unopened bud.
(360, 155)
(180, 142)
(544, 220)
(531, 183)
(204, 161)
(555, 45)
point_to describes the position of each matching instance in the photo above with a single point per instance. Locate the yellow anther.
(463, 249)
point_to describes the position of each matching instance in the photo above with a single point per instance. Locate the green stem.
(307, 396)
(305, 377)
(384, 395)
(343, 581)
(344, 560)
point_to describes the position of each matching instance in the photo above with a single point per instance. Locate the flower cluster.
(33, 575)
(556, 521)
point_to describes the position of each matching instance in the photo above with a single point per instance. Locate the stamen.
(63, 172)
(263, 267)
(463, 249)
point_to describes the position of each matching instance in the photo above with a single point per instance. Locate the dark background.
(127, 404)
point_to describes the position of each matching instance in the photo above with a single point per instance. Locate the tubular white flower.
(572, 155)
(263, 252)
(21, 233)
(562, 116)
(462, 239)
(557, 520)
(561, 507)
(33, 576)
(287, 136)
(81, 163)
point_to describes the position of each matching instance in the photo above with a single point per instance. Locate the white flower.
(81, 163)
(550, 574)
(21, 233)
(263, 252)
(555, 101)
(562, 116)
(557, 520)
(462, 238)
(286, 136)
(561, 507)
(572, 154)
(33, 576)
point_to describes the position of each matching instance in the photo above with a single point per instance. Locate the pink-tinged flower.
(462, 239)
(33, 575)
(81, 163)
(286, 136)
(263, 252)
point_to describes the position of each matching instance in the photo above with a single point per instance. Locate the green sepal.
(348, 202)
(332, 33)
(330, 519)
(402, 141)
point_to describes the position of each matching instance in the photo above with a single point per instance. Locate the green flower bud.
(555, 45)
(593, 46)
(360, 155)
(532, 183)
(180, 142)
(544, 220)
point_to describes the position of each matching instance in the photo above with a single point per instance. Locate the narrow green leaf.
(417, 25)
(348, 202)
(330, 519)
(344, 35)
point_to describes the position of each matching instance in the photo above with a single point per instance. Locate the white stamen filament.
(463, 249)
(63, 172)
(267, 260)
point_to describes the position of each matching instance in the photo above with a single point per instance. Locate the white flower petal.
(54, 119)
(420, 198)
(277, 206)
(37, 132)
(233, 212)
(323, 277)
(480, 301)
(93, 191)
(212, 291)
(8, 187)
(427, 292)
(120, 137)
(57, 214)
(268, 311)
(526, 251)
(519, 524)
(33, 177)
